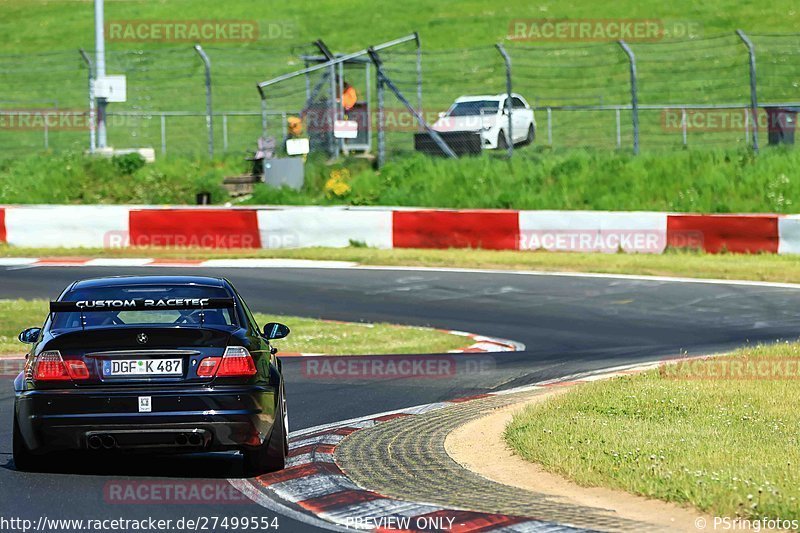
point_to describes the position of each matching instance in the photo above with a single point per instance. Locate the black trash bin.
(781, 123)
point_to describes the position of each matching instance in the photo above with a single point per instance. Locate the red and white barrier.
(429, 228)
(593, 231)
(719, 233)
(300, 227)
(789, 234)
(205, 228)
(305, 227)
(64, 225)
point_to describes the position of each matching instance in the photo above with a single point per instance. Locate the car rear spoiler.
(140, 304)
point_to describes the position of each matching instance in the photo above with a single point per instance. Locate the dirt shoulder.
(479, 447)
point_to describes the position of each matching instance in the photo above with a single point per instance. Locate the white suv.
(487, 115)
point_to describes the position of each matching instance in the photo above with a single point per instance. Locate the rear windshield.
(160, 317)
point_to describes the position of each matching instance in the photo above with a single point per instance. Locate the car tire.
(24, 460)
(530, 137)
(271, 455)
(502, 143)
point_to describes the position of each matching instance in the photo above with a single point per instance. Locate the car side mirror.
(276, 330)
(30, 335)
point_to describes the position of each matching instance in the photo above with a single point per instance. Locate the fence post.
(340, 111)
(634, 95)
(263, 128)
(209, 108)
(100, 71)
(92, 103)
(507, 61)
(619, 129)
(334, 144)
(46, 136)
(308, 83)
(403, 100)
(381, 126)
(163, 134)
(550, 127)
(684, 126)
(751, 50)
(368, 85)
(225, 133)
(419, 74)
(746, 124)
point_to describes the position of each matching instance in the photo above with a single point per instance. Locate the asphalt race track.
(569, 324)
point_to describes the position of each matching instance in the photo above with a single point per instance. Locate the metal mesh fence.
(689, 93)
(331, 103)
(446, 75)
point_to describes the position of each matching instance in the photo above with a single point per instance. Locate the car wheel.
(502, 144)
(24, 460)
(271, 456)
(530, 137)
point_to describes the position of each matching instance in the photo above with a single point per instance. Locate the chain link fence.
(706, 92)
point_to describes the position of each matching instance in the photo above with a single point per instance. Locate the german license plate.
(143, 367)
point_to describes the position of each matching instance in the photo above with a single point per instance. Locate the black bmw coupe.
(152, 364)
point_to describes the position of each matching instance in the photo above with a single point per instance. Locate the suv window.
(517, 103)
(475, 108)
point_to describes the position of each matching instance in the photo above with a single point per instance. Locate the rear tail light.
(236, 361)
(50, 366)
(77, 369)
(208, 367)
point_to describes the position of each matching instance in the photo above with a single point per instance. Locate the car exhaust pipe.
(181, 440)
(94, 442)
(195, 439)
(108, 442)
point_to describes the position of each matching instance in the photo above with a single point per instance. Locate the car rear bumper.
(185, 420)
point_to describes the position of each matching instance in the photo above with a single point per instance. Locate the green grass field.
(689, 181)
(724, 445)
(716, 174)
(457, 38)
(38, 25)
(307, 336)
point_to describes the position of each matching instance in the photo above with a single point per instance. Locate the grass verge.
(308, 335)
(725, 445)
(710, 181)
(756, 267)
